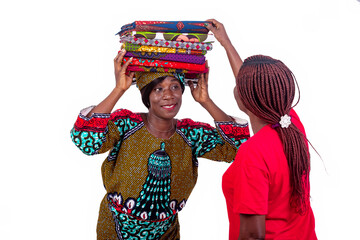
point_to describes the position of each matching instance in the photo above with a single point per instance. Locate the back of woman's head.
(267, 89)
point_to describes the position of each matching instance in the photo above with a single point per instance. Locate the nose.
(167, 94)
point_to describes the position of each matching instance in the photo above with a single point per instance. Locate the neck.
(256, 123)
(160, 127)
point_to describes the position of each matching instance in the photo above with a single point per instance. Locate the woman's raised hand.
(218, 29)
(200, 93)
(123, 81)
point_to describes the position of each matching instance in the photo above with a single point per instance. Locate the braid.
(267, 89)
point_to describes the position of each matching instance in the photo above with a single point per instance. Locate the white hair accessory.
(285, 121)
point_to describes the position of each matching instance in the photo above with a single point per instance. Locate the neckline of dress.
(147, 130)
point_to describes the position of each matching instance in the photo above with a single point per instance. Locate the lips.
(169, 107)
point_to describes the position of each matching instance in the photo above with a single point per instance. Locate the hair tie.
(285, 122)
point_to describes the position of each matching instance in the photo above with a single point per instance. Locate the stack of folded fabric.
(167, 46)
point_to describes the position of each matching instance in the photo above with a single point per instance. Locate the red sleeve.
(251, 182)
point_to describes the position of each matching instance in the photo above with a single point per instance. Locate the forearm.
(252, 227)
(251, 238)
(107, 105)
(234, 57)
(216, 113)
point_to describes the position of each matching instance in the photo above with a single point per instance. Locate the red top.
(257, 182)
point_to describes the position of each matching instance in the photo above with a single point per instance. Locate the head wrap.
(144, 78)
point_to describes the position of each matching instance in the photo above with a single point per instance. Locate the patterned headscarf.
(144, 78)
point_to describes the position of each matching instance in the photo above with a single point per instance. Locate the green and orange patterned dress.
(147, 179)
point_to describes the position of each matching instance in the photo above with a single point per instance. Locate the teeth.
(168, 106)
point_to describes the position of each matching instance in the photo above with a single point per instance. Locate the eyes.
(173, 87)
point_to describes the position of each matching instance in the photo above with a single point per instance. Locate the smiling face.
(165, 98)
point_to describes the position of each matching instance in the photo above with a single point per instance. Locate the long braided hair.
(267, 89)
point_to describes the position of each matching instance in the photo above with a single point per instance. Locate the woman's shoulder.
(125, 114)
(264, 139)
(189, 123)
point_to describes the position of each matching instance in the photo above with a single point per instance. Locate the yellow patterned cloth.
(139, 48)
(148, 180)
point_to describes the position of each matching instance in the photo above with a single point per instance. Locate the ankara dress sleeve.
(220, 143)
(100, 132)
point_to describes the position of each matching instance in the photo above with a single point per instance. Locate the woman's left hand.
(200, 93)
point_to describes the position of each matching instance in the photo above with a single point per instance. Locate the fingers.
(206, 78)
(206, 75)
(210, 26)
(132, 74)
(126, 64)
(191, 85)
(119, 57)
(214, 26)
(201, 82)
(118, 62)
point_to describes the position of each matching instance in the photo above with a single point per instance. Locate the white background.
(56, 58)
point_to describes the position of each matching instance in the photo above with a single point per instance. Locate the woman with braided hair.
(267, 186)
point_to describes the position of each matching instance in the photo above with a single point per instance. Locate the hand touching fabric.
(220, 34)
(219, 31)
(200, 93)
(123, 81)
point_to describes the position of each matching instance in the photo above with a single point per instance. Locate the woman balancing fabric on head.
(151, 168)
(267, 186)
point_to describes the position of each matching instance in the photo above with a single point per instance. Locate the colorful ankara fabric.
(165, 26)
(136, 68)
(148, 180)
(144, 78)
(182, 37)
(165, 64)
(165, 43)
(176, 57)
(139, 48)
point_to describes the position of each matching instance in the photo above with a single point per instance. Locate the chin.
(172, 113)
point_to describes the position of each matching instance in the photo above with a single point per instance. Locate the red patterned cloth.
(176, 57)
(135, 68)
(165, 64)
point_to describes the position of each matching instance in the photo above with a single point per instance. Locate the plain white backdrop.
(56, 58)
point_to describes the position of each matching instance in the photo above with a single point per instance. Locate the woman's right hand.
(218, 29)
(123, 81)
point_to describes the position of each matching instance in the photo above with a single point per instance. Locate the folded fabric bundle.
(182, 37)
(165, 64)
(176, 57)
(139, 48)
(165, 26)
(167, 47)
(165, 43)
